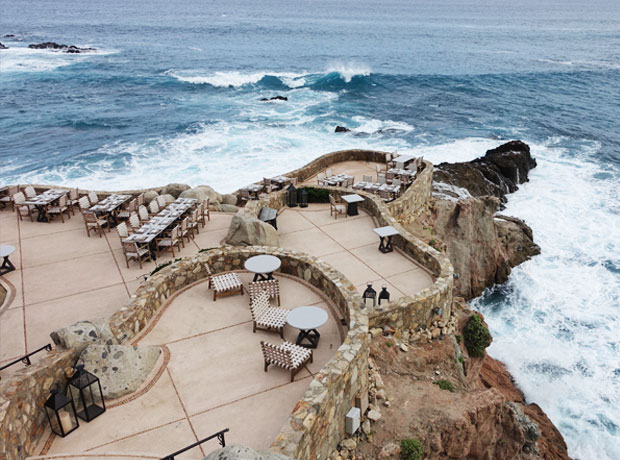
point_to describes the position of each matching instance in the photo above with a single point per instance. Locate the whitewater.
(173, 94)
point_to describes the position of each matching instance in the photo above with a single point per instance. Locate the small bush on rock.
(445, 385)
(477, 336)
(411, 449)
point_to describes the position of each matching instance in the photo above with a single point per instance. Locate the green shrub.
(317, 195)
(411, 449)
(445, 385)
(164, 265)
(205, 250)
(459, 338)
(477, 336)
(388, 343)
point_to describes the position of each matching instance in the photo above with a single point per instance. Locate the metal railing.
(26, 358)
(219, 435)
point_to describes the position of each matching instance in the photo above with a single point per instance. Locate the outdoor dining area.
(261, 189)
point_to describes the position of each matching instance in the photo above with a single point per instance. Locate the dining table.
(43, 200)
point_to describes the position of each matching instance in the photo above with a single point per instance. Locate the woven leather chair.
(287, 356)
(271, 287)
(266, 317)
(224, 284)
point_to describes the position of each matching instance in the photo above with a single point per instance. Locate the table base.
(352, 209)
(311, 335)
(262, 277)
(386, 244)
(7, 266)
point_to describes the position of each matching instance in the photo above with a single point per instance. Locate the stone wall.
(23, 393)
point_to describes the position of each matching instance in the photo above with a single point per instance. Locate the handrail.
(26, 358)
(219, 435)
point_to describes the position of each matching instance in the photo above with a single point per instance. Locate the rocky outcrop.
(341, 129)
(84, 333)
(237, 452)
(229, 199)
(167, 198)
(246, 230)
(228, 207)
(175, 189)
(201, 193)
(274, 98)
(3, 47)
(497, 173)
(482, 246)
(56, 47)
(149, 196)
(120, 368)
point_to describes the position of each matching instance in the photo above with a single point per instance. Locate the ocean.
(172, 94)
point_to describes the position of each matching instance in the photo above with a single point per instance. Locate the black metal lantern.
(86, 393)
(291, 198)
(302, 197)
(369, 294)
(384, 294)
(61, 414)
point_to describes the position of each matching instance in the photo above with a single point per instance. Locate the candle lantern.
(61, 414)
(86, 393)
(384, 294)
(302, 197)
(291, 196)
(368, 295)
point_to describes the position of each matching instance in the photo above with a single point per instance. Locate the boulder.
(228, 208)
(84, 333)
(238, 452)
(57, 47)
(120, 368)
(246, 230)
(341, 129)
(229, 199)
(169, 198)
(175, 189)
(149, 196)
(201, 193)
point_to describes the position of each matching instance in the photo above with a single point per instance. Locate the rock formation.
(120, 368)
(3, 47)
(274, 98)
(149, 196)
(83, 333)
(56, 47)
(201, 193)
(246, 230)
(237, 452)
(175, 189)
(462, 221)
(341, 129)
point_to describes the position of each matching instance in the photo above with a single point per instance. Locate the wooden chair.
(134, 222)
(381, 178)
(320, 178)
(169, 241)
(30, 192)
(349, 182)
(205, 210)
(140, 199)
(161, 202)
(74, 200)
(366, 178)
(224, 284)
(122, 231)
(93, 198)
(193, 222)
(267, 317)
(59, 209)
(93, 222)
(143, 214)
(287, 356)
(22, 209)
(184, 231)
(132, 250)
(8, 199)
(335, 208)
(131, 207)
(379, 171)
(153, 208)
(84, 203)
(271, 287)
(329, 173)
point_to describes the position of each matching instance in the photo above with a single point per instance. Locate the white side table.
(5, 251)
(352, 201)
(385, 235)
(262, 266)
(307, 319)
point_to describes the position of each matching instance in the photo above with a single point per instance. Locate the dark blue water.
(173, 95)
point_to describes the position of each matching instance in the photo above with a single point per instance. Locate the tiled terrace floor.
(352, 168)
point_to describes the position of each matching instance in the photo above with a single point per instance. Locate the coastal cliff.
(462, 218)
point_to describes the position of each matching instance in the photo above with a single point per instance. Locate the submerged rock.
(2, 47)
(275, 98)
(246, 230)
(341, 129)
(120, 368)
(57, 47)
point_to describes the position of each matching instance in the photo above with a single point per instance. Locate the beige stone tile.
(254, 421)
(386, 265)
(12, 342)
(45, 317)
(158, 406)
(32, 229)
(352, 233)
(377, 284)
(411, 282)
(311, 241)
(290, 220)
(208, 238)
(218, 220)
(60, 246)
(8, 229)
(15, 280)
(194, 312)
(234, 361)
(321, 217)
(329, 341)
(158, 442)
(69, 277)
(295, 294)
(353, 268)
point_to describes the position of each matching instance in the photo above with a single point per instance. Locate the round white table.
(307, 319)
(5, 251)
(262, 266)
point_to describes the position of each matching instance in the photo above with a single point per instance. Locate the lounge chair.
(271, 287)
(287, 356)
